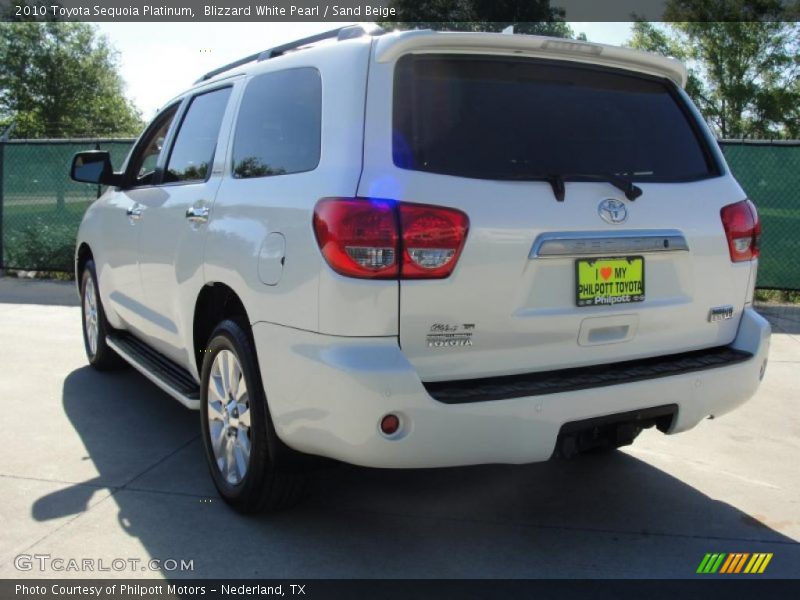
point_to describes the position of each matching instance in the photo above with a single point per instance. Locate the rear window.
(494, 118)
(279, 125)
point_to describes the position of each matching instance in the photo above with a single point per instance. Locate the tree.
(60, 79)
(527, 16)
(743, 67)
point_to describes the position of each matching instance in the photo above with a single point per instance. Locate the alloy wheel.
(228, 407)
(90, 315)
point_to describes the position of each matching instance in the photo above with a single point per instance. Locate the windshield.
(497, 118)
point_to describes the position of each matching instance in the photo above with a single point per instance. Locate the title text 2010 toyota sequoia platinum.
(425, 249)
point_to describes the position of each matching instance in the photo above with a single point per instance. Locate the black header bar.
(390, 10)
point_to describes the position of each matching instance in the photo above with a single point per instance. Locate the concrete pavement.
(103, 466)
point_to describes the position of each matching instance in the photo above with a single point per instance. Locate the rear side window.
(279, 125)
(193, 151)
(498, 118)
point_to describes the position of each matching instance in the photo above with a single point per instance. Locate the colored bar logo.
(733, 563)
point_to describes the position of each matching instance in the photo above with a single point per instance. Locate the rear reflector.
(390, 424)
(742, 229)
(379, 239)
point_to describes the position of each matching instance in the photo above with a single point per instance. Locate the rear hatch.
(563, 265)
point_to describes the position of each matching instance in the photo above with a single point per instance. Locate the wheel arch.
(215, 302)
(82, 255)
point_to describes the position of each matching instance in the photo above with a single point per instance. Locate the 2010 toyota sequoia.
(424, 249)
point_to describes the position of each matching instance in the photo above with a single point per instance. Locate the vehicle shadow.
(597, 516)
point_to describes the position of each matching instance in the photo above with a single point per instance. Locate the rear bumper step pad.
(583, 378)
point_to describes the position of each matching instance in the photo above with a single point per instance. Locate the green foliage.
(252, 166)
(527, 16)
(42, 244)
(728, 10)
(60, 79)
(777, 296)
(743, 67)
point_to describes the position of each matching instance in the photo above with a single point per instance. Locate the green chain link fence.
(770, 174)
(41, 208)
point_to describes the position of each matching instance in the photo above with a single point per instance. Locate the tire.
(94, 324)
(239, 438)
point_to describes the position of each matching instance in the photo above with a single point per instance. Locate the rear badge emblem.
(612, 211)
(720, 313)
(444, 335)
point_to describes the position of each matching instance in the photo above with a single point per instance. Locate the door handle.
(134, 211)
(197, 214)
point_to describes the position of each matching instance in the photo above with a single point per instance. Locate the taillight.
(381, 239)
(743, 230)
(432, 240)
(358, 237)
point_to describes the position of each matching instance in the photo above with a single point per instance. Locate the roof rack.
(342, 33)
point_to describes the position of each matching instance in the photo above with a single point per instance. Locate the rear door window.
(193, 151)
(499, 118)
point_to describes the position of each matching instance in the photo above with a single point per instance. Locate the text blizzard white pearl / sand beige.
(292, 11)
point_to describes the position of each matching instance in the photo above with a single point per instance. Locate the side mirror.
(94, 166)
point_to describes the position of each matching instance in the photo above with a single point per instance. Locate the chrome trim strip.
(187, 402)
(604, 243)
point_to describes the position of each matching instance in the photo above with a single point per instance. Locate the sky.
(160, 60)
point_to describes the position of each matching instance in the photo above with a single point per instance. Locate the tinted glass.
(193, 151)
(279, 124)
(507, 118)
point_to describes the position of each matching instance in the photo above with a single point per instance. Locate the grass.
(778, 296)
(17, 217)
(41, 236)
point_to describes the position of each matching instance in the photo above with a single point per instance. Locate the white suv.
(425, 249)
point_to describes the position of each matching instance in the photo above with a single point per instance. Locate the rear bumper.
(327, 395)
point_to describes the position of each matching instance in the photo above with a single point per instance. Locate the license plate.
(608, 281)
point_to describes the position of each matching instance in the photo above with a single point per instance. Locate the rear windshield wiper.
(631, 190)
(556, 181)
